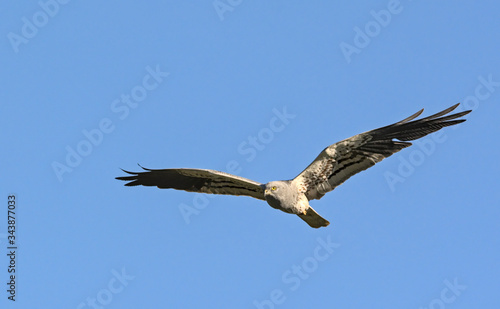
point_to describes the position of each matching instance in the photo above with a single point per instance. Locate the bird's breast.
(294, 206)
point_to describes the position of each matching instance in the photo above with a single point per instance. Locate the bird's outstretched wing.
(340, 161)
(196, 180)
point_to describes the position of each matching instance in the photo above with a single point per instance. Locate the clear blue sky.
(260, 88)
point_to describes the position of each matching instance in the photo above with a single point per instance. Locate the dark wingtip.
(454, 106)
(131, 173)
(127, 177)
(144, 168)
(132, 183)
(412, 117)
(464, 112)
(132, 178)
(459, 114)
(467, 112)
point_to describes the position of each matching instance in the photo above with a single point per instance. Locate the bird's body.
(334, 165)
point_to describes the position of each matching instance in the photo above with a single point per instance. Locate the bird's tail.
(313, 218)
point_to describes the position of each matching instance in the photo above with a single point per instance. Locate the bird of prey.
(334, 165)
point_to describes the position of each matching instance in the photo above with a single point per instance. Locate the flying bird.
(334, 165)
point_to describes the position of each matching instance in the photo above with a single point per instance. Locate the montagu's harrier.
(331, 168)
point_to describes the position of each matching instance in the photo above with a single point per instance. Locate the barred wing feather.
(196, 180)
(338, 162)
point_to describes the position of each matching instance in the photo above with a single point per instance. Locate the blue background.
(82, 235)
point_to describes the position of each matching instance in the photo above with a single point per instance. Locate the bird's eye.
(273, 188)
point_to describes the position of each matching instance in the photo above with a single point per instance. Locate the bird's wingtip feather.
(144, 168)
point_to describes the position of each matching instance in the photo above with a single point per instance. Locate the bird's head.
(277, 194)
